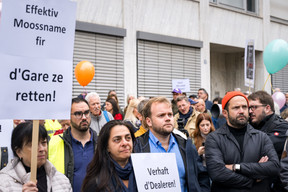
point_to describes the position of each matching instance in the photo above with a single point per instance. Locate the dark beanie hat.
(230, 95)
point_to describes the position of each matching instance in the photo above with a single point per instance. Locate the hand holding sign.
(84, 72)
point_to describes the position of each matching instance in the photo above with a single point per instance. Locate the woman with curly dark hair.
(111, 168)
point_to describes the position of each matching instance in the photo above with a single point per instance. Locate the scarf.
(186, 116)
(126, 173)
(123, 173)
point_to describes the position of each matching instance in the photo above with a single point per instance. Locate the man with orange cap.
(239, 157)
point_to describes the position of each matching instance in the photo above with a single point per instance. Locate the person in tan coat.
(186, 113)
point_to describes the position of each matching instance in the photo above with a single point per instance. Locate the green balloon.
(276, 55)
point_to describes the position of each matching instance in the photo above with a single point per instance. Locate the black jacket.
(275, 127)
(284, 168)
(196, 175)
(221, 148)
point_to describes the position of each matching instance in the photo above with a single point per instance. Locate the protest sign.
(156, 172)
(182, 84)
(249, 64)
(36, 51)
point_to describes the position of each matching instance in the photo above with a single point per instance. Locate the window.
(105, 52)
(159, 63)
(280, 79)
(246, 5)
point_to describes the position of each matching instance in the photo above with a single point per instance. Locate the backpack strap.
(4, 157)
(106, 116)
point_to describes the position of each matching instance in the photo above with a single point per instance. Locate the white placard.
(6, 128)
(156, 172)
(36, 52)
(249, 64)
(182, 84)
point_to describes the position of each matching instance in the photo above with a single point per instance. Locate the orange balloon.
(84, 72)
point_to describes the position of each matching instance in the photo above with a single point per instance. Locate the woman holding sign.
(111, 168)
(15, 177)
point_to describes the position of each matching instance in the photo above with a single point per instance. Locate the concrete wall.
(234, 28)
(196, 20)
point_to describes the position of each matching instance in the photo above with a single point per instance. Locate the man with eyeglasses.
(263, 117)
(73, 150)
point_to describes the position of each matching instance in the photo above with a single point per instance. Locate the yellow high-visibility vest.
(52, 126)
(56, 152)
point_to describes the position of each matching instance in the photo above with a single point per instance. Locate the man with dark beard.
(158, 118)
(263, 117)
(239, 157)
(73, 150)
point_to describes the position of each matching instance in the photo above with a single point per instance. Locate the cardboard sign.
(156, 172)
(182, 84)
(6, 128)
(36, 51)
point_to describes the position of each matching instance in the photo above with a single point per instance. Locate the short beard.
(78, 127)
(162, 131)
(236, 123)
(261, 117)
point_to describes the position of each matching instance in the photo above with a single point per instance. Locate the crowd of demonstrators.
(204, 126)
(112, 107)
(158, 118)
(72, 151)
(15, 176)
(239, 157)
(186, 114)
(111, 168)
(98, 117)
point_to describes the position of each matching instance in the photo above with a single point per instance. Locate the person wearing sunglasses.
(263, 117)
(72, 151)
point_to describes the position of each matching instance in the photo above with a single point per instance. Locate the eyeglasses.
(254, 107)
(79, 114)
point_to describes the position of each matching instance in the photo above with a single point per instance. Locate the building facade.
(139, 46)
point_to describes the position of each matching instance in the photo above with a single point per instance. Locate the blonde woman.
(132, 113)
